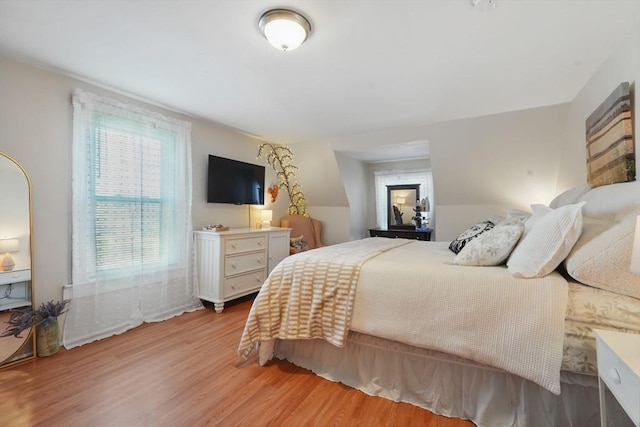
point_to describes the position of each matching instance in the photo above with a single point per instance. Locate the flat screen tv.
(233, 181)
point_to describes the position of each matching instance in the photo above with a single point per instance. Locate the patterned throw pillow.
(492, 247)
(470, 234)
(299, 243)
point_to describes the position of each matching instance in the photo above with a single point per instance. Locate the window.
(132, 255)
(127, 178)
(422, 177)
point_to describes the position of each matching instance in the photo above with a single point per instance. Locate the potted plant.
(45, 319)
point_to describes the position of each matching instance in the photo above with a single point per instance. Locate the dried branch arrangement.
(280, 158)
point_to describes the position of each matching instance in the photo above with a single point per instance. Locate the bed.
(498, 345)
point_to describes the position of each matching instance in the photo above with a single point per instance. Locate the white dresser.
(234, 263)
(619, 375)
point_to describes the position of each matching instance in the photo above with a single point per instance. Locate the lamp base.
(7, 262)
(266, 224)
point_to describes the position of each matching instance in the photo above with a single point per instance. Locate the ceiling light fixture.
(484, 5)
(285, 29)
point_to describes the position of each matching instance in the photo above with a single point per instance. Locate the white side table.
(619, 372)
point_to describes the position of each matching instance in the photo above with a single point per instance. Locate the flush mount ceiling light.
(285, 29)
(484, 5)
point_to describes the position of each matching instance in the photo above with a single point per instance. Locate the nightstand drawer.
(244, 283)
(248, 244)
(620, 380)
(237, 264)
(14, 276)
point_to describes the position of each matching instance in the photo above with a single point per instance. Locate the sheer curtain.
(423, 177)
(132, 247)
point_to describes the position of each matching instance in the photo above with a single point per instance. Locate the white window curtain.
(423, 177)
(132, 246)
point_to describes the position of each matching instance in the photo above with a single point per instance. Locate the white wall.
(623, 65)
(484, 164)
(36, 129)
(355, 178)
(322, 185)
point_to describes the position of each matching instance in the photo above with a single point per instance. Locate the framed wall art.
(610, 144)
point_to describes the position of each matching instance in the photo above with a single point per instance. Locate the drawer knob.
(233, 245)
(259, 260)
(258, 279)
(233, 286)
(233, 265)
(259, 242)
(615, 376)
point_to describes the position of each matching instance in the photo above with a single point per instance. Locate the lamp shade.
(284, 29)
(635, 253)
(266, 215)
(9, 245)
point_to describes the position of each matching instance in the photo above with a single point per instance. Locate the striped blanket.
(311, 294)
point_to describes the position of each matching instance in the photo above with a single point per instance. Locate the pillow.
(539, 211)
(299, 243)
(602, 257)
(470, 234)
(490, 248)
(514, 217)
(548, 243)
(570, 196)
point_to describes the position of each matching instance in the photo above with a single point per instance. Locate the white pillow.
(548, 243)
(602, 257)
(570, 196)
(490, 248)
(539, 211)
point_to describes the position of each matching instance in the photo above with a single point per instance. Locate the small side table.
(619, 372)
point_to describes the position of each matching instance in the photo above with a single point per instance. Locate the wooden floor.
(185, 372)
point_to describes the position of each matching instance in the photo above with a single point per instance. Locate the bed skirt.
(452, 387)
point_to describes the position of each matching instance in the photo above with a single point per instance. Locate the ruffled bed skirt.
(453, 387)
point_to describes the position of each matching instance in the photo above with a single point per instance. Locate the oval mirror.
(16, 287)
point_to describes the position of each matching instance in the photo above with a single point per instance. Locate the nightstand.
(619, 373)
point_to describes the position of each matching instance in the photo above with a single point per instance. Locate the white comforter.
(412, 295)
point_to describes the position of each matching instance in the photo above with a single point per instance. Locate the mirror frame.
(27, 350)
(390, 189)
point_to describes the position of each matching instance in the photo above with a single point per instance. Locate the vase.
(48, 337)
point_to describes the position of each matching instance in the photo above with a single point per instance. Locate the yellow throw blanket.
(311, 294)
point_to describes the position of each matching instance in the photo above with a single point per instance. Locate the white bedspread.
(411, 295)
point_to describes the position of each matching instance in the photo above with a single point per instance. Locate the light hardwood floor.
(185, 372)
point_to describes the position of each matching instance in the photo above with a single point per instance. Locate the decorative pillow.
(470, 234)
(515, 217)
(299, 243)
(602, 257)
(548, 243)
(570, 196)
(490, 248)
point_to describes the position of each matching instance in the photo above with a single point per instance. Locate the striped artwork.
(610, 146)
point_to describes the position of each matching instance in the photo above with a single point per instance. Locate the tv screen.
(233, 181)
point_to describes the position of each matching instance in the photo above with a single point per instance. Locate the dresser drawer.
(244, 283)
(236, 264)
(620, 380)
(15, 276)
(247, 244)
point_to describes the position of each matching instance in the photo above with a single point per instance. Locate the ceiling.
(368, 65)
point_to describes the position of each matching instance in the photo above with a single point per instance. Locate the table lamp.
(266, 215)
(7, 246)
